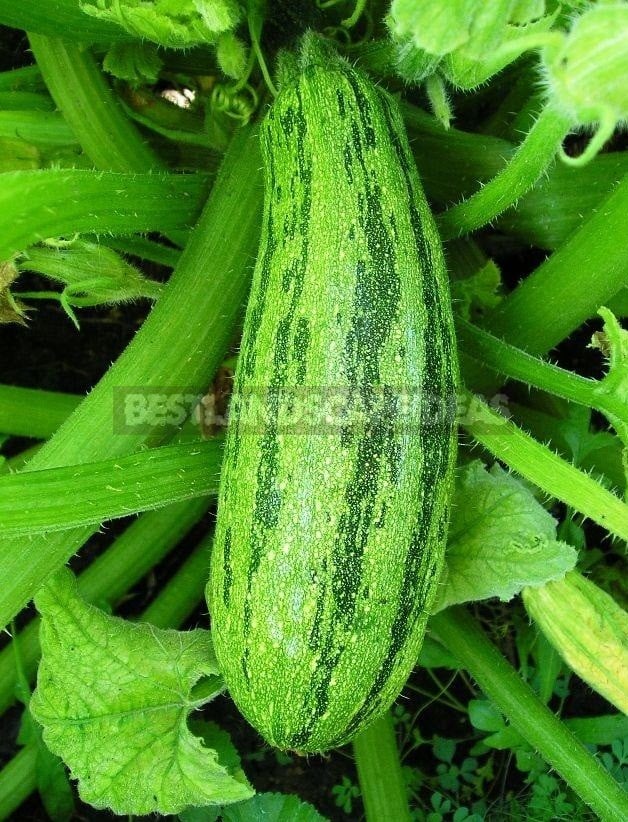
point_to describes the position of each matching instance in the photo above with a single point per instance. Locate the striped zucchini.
(331, 530)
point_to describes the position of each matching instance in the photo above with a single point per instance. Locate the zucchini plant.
(406, 484)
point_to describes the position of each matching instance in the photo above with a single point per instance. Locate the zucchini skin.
(331, 533)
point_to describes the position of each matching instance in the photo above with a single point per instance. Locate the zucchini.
(338, 468)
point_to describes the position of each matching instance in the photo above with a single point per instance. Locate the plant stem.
(175, 602)
(27, 77)
(58, 499)
(560, 204)
(145, 249)
(181, 343)
(183, 591)
(30, 412)
(60, 18)
(451, 161)
(384, 792)
(552, 474)
(39, 204)
(526, 713)
(46, 128)
(513, 362)
(570, 286)
(82, 94)
(531, 159)
(17, 780)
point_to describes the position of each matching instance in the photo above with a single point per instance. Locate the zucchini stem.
(545, 732)
(510, 361)
(377, 759)
(534, 155)
(537, 463)
(82, 94)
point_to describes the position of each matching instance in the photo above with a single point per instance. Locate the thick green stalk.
(26, 78)
(376, 754)
(572, 284)
(513, 362)
(175, 602)
(451, 161)
(549, 472)
(107, 579)
(38, 127)
(531, 159)
(145, 249)
(180, 345)
(462, 636)
(560, 203)
(37, 204)
(56, 499)
(17, 780)
(60, 18)
(30, 412)
(82, 94)
(26, 101)
(183, 591)
(18, 462)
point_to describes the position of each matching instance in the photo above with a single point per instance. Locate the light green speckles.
(334, 553)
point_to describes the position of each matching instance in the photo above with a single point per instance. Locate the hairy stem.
(531, 159)
(513, 362)
(82, 94)
(570, 286)
(462, 636)
(30, 412)
(549, 472)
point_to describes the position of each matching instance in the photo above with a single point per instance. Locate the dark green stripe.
(226, 565)
(268, 499)
(374, 311)
(418, 575)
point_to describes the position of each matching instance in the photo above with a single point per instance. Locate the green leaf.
(587, 88)
(218, 740)
(490, 50)
(435, 655)
(477, 295)
(135, 62)
(114, 698)
(231, 55)
(444, 749)
(484, 716)
(272, 807)
(177, 25)
(437, 28)
(474, 39)
(500, 539)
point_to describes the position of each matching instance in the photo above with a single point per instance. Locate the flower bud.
(588, 629)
